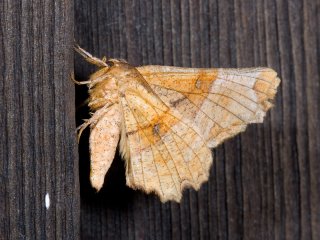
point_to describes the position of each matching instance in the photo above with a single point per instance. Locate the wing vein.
(248, 76)
(221, 71)
(216, 104)
(182, 92)
(143, 176)
(195, 154)
(211, 93)
(223, 95)
(143, 130)
(180, 120)
(228, 80)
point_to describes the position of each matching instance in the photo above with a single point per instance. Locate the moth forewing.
(221, 102)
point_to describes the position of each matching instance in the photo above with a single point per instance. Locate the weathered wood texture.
(265, 183)
(38, 153)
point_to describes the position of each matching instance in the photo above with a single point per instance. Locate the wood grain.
(265, 183)
(38, 153)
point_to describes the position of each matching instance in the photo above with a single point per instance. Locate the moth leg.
(82, 127)
(106, 98)
(91, 59)
(95, 117)
(77, 82)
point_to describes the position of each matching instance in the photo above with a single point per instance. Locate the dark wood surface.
(265, 183)
(38, 150)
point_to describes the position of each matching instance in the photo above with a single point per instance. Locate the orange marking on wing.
(156, 127)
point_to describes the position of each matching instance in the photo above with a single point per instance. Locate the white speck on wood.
(47, 201)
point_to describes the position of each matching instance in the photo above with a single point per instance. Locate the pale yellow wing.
(220, 102)
(163, 151)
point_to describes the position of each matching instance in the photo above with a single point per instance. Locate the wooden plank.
(38, 145)
(265, 183)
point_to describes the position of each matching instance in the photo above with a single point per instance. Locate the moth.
(165, 119)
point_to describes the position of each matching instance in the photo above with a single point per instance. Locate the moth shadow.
(114, 192)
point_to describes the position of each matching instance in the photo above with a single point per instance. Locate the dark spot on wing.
(176, 102)
(156, 129)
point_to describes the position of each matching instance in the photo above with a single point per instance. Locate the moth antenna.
(89, 58)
